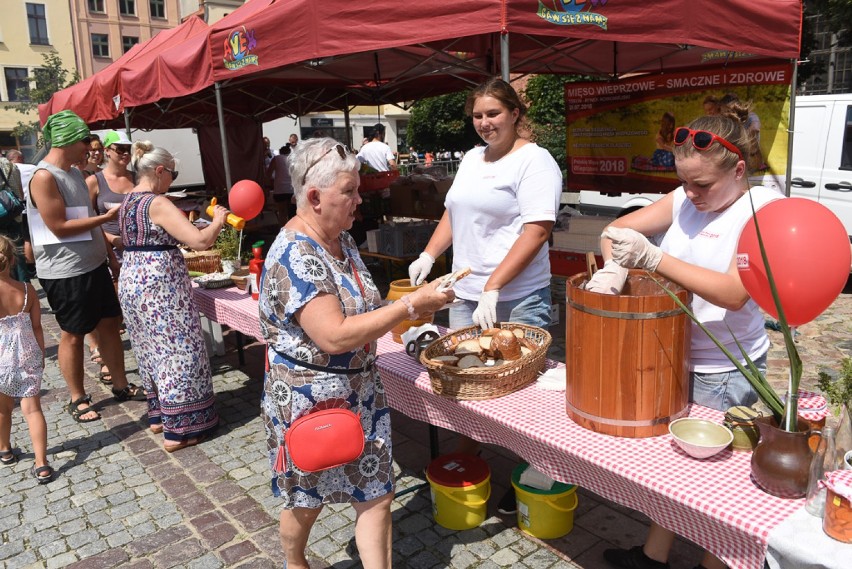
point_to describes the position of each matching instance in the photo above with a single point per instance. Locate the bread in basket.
(450, 380)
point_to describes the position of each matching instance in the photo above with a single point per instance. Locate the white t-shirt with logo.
(376, 154)
(488, 205)
(709, 240)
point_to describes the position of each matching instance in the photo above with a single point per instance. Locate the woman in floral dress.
(156, 298)
(320, 314)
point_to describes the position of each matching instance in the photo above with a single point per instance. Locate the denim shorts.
(534, 310)
(723, 390)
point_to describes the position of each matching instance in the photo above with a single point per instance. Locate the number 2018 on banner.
(599, 165)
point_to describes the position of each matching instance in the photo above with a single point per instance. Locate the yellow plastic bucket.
(460, 487)
(545, 514)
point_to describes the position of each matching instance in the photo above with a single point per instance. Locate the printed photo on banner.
(620, 133)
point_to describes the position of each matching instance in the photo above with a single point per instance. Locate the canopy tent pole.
(221, 114)
(791, 129)
(504, 56)
(127, 123)
(346, 124)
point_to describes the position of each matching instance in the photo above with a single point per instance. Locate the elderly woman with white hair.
(321, 315)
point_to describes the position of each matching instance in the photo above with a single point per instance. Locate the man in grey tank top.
(71, 263)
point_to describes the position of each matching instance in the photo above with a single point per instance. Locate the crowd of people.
(106, 251)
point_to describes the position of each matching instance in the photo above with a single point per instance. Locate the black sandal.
(43, 474)
(7, 457)
(130, 393)
(74, 409)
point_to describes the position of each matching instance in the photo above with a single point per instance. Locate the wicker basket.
(485, 383)
(240, 278)
(203, 261)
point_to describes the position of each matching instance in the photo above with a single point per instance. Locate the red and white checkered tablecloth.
(712, 502)
(230, 307)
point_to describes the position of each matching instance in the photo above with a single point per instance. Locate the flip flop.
(96, 356)
(7, 457)
(130, 393)
(184, 443)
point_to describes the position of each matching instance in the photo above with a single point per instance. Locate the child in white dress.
(21, 364)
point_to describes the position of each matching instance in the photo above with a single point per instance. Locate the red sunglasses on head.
(702, 139)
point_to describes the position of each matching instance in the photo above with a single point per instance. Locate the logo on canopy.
(238, 49)
(572, 12)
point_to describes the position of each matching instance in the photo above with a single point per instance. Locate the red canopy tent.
(272, 58)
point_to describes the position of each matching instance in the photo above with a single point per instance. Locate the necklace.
(323, 241)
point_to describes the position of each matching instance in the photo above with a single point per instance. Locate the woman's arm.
(722, 289)
(335, 333)
(524, 250)
(441, 238)
(165, 214)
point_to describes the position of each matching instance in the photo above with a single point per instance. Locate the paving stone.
(209, 561)
(158, 541)
(104, 560)
(177, 553)
(237, 552)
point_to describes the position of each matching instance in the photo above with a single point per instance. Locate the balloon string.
(240, 247)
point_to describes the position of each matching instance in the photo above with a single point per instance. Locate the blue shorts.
(534, 310)
(725, 389)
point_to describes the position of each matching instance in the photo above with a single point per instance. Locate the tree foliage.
(837, 13)
(545, 95)
(439, 123)
(45, 81)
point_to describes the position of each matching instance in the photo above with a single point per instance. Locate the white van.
(822, 153)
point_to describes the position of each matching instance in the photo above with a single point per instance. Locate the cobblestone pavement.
(119, 500)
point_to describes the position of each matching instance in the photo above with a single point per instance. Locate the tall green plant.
(786, 413)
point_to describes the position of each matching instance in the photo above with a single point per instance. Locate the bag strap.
(5, 178)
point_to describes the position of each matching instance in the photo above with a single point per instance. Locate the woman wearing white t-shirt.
(500, 211)
(702, 221)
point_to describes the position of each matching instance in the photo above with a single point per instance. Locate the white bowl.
(700, 438)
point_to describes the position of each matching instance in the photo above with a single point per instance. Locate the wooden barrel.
(626, 356)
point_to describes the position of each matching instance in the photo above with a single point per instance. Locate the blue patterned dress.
(164, 327)
(297, 269)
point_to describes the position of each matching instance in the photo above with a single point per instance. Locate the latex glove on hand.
(631, 249)
(420, 268)
(485, 315)
(608, 280)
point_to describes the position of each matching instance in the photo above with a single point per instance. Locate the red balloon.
(246, 199)
(808, 251)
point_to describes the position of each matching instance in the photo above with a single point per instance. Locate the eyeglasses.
(342, 151)
(174, 173)
(121, 148)
(702, 139)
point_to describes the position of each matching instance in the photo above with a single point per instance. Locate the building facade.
(103, 30)
(832, 57)
(28, 30)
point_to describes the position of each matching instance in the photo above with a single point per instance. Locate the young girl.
(21, 363)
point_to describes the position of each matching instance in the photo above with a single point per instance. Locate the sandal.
(96, 356)
(7, 457)
(43, 474)
(104, 376)
(130, 393)
(74, 409)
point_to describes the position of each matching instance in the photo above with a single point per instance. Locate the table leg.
(241, 356)
(434, 451)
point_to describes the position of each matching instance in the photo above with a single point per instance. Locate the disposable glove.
(608, 280)
(485, 315)
(631, 249)
(420, 268)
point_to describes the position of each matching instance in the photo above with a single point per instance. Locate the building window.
(37, 22)
(158, 8)
(96, 6)
(17, 84)
(100, 45)
(127, 7)
(127, 42)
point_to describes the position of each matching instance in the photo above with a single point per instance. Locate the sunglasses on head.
(342, 151)
(702, 139)
(174, 173)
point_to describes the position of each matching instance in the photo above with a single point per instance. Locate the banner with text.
(619, 133)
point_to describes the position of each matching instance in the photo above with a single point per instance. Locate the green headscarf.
(65, 128)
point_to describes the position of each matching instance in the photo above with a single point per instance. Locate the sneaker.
(633, 558)
(508, 503)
